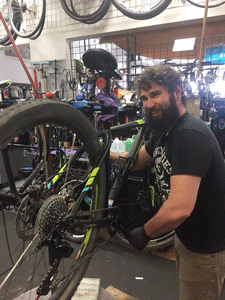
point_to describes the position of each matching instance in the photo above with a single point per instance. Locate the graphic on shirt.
(163, 170)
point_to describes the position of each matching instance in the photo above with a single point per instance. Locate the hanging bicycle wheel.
(141, 9)
(4, 39)
(31, 13)
(40, 29)
(86, 11)
(51, 264)
(211, 3)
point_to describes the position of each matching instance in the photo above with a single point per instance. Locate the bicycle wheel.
(141, 9)
(136, 208)
(4, 39)
(51, 268)
(211, 4)
(40, 29)
(31, 13)
(86, 11)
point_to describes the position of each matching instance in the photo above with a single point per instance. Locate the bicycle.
(82, 202)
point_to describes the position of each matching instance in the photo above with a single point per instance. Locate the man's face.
(160, 108)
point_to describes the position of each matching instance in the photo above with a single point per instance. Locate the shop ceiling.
(158, 43)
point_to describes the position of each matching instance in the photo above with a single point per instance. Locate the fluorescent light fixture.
(184, 44)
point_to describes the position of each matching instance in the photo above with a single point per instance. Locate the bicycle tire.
(30, 113)
(31, 21)
(90, 18)
(99, 14)
(154, 245)
(7, 41)
(141, 13)
(203, 5)
(40, 29)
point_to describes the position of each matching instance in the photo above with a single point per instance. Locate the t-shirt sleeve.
(191, 153)
(149, 145)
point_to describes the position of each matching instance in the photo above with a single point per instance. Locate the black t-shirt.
(192, 149)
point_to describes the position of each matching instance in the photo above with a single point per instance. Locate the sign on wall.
(215, 54)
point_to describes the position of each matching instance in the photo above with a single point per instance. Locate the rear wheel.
(49, 253)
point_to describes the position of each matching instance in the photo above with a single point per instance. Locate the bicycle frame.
(71, 218)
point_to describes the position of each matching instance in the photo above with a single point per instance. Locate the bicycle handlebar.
(5, 84)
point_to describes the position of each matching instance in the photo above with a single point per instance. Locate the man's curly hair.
(162, 75)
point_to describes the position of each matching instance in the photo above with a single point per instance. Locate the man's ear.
(178, 93)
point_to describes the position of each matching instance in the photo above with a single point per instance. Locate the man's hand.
(138, 238)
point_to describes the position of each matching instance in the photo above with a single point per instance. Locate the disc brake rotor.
(26, 216)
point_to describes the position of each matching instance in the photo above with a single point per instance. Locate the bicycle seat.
(99, 60)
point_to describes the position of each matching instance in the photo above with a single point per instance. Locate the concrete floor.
(125, 273)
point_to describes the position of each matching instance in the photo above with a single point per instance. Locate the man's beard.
(169, 117)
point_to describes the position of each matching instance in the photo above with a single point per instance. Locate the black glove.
(138, 238)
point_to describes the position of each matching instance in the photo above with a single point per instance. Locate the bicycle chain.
(57, 282)
(50, 273)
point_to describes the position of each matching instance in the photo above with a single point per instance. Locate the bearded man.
(190, 173)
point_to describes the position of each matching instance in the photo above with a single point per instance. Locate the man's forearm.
(118, 157)
(166, 219)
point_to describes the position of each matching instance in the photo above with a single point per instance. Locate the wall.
(11, 68)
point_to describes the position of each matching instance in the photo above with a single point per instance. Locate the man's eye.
(155, 95)
(143, 98)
